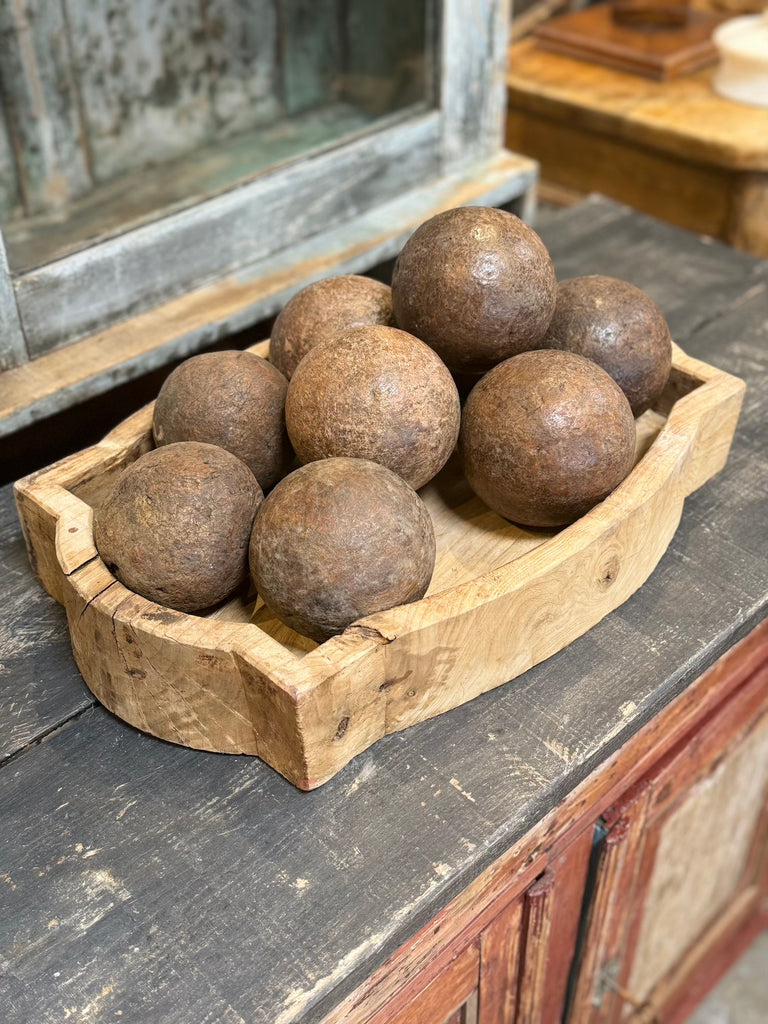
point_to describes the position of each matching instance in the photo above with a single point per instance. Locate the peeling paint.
(457, 786)
(297, 1000)
(563, 752)
(367, 771)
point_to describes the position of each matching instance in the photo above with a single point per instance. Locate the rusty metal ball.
(375, 393)
(477, 285)
(323, 310)
(176, 526)
(232, 399)
(545, 436)
(337, 540)
(619, 327)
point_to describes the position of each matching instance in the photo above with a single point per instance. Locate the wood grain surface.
(673, 149)
(696, 892)
(40, 685)
(13, 346)
(41, 99)
(684, 117)
(556, 838)
(471, 65)
(163, 882)
(680, 868)
(438, 1002)
(500, 950)
(600, 36)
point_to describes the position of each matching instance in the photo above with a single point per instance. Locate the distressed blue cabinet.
(163, 157)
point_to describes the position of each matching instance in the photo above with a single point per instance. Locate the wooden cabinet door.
(507, 960)
(551, 922)
(527, 950)
(450, 999)
(682, 872)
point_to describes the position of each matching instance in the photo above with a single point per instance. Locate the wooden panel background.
(375, 44)
(9, 186)
(126, 124)
(110, 209)
(96, 88)
(13, 348)
(42, 104)
(68, 299)
(698, 867)
(312, 48)
(474, 49)
(182, 326)
(160, 77)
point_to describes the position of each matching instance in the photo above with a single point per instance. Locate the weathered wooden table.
(141, 881)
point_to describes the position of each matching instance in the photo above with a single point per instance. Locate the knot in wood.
(342, 728)
(608, 572)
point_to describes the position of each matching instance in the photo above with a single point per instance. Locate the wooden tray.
(502, 599)
(658, 51)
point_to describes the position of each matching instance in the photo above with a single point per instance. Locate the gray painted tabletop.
(141, 881)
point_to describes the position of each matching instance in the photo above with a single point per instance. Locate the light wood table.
(673, 149)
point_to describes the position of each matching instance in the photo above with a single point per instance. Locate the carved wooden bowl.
(502, 599)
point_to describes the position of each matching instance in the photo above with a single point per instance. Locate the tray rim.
(363, 674)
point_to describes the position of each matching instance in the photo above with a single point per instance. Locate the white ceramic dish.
(742, 74)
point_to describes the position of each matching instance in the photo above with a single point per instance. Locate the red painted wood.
(442, 998)
(500, 948)
(611, 910)
(699, 753)
(539, 901)
(570, 872)
(621, 890)
(420, 961)
(713, 958)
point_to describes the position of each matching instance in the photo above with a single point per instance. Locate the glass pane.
(117, 111)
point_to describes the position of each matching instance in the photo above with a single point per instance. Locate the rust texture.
(375, 393)
(618, 326)
(337, 540)
(545, 436)
(176, 527)
(233, 399)
(477, 285)
(322, 311)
